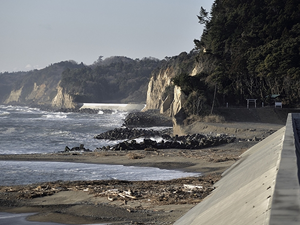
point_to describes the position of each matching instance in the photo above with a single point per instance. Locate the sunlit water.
(26, 130)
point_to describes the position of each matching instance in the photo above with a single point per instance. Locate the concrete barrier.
(107, 106)
(262, 187)
(286, 197)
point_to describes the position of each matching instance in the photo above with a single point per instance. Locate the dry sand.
(150, 202)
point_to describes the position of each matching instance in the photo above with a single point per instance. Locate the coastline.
(162, 202)
(76, 206)
(171, 159)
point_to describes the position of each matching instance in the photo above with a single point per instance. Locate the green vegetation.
(115, 79)
(189, 84)
(248, 49)
(197, 91)
(255, 47)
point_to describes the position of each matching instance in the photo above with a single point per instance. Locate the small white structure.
(251, 100)
(278, 104)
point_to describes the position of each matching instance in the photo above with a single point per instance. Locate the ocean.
(25, 130)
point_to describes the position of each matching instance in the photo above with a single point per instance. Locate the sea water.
(25, 130)
(20, 219)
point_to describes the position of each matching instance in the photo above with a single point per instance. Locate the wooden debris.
(109, 198)
(189, 190)
(192, 187)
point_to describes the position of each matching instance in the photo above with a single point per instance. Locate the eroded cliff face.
(37, 88)
(156, 87)
(62, 99)
(162, 95)
(14, 96)
(158, 99)
(41, 95)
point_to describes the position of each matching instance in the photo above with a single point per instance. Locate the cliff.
(171, 91)
(65, 84)
(38, 88)
(239, 56)
(62, 99)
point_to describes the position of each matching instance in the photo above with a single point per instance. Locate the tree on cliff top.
(256, 44)
(114, 79)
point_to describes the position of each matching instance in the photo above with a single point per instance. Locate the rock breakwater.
(131, 133)
(194, 141)
(150, 118)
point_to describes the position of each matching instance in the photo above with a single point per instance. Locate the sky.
(37, 33)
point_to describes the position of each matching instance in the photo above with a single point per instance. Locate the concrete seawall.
(262, 187)
(107, 106)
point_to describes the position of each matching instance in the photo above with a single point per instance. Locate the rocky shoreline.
(149, 118)
(132, 133)
(149, 139)
(207, 150)
(194, 141)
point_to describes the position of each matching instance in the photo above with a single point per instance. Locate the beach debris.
(161, 193)
(192, 187)
(81, 148)
(190, 190)
(116, 193)
(150, 149)
(125, 194)
(132, 155)
(110, 198)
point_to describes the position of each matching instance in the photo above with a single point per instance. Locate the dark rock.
(255, 139)
(84, 111)
(195, 141)
(80, 148)
(128, 133)
(150, 118)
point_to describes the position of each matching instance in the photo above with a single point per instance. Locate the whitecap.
(100, 112)
(141, 139)
(7, 107)
(26, 109)
(49, 116)
(2, 113)
(59, 132)
(20, 109)
(8, 130)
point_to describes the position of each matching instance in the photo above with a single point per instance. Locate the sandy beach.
(136, 202)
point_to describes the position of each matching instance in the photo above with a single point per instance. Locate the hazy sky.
(36, 33)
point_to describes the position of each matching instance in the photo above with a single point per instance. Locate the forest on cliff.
(115, 79)
(249, 49)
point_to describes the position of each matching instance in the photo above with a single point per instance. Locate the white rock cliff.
(173, 103)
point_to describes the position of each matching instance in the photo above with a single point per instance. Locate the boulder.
(151, 118)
